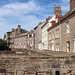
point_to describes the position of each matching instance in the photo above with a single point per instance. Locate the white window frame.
(67, 27)
(68, 46)
(53, 35)
(58, 33)
(57, 47)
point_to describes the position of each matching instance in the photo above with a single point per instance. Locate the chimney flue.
(72, 4)
(19, 26)
(57, 10)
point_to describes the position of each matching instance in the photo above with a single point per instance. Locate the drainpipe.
(74, 43)
(60, 36)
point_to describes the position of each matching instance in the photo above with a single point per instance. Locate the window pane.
(68, 27)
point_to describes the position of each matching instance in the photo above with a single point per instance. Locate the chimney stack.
(72, 4)
(31, 31)
(19, 26)
(57, 10)
(13, 29)
(19, 29)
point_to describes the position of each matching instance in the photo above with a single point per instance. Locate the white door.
(40, 46)
(53, 47)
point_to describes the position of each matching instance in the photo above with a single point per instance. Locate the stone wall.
(16, 63)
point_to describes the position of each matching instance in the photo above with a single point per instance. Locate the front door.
(53, 47)
(39, 46)
(57, 73)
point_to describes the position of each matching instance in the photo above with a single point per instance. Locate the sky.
(27, 13)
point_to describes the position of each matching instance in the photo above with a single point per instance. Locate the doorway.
(57, 73)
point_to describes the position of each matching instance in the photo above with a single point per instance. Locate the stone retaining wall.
(18, 64)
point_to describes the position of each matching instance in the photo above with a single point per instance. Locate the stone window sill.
(67, 33)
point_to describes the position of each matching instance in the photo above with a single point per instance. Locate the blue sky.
(27, 13)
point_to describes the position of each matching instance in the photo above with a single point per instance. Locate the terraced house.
(30, 40)
(50, 21)
(61, 36)
(38, 35)
(20, 41)
(12, 34)
(24, 41)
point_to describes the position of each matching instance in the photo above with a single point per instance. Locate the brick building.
(54, 37)
(38, 35)
(36, 40)
(62, 34)
(50, 21)
(12, 34)
(30, 40)
(24, 40)
(20, 41)
(68, 32)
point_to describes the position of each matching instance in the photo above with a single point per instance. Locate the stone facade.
(54, 38)
(11, 35)
(18, 63)
(50, 21)
(24, 41)
(36, 40)
(39, 35)
(68, 32)
(31, 40)
(10, 39)
(61, 36)
(21, 41)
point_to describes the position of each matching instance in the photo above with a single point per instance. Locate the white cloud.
(25, 14)
(18, 8)
(14, 14)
